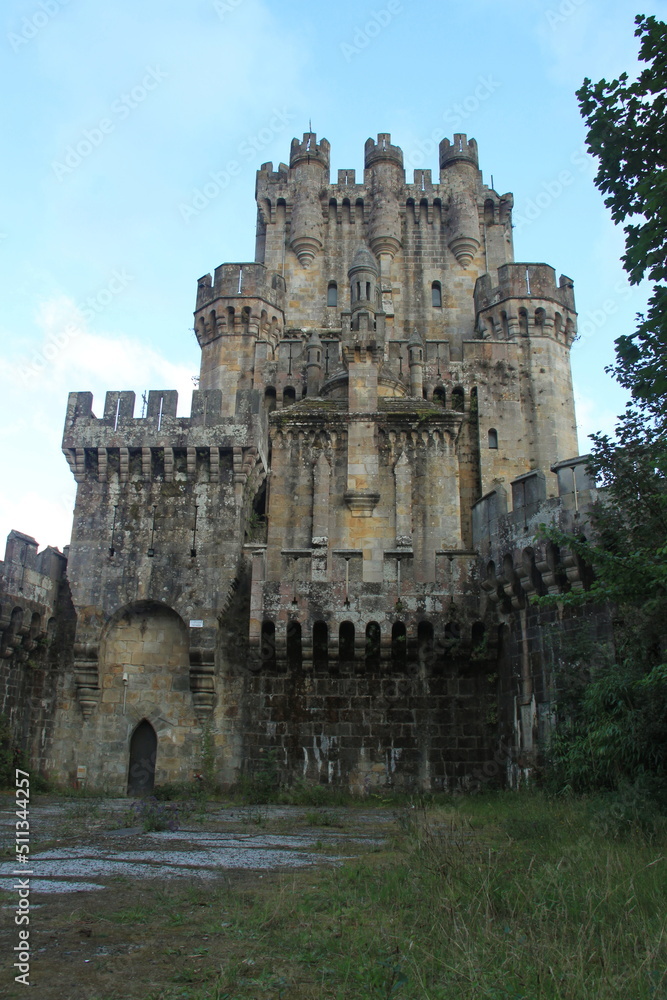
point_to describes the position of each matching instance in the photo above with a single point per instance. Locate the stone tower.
(307, 564)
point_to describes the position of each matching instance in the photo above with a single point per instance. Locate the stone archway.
(144, 669)
(143, 755)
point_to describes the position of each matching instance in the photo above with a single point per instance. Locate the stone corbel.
(546, 567)
(572, 569)
(202, 682)
(86, 676)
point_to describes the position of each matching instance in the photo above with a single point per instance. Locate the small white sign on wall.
(196, 623)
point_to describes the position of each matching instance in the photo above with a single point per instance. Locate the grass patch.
(500, 897)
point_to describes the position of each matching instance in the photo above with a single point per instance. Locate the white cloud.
(592, 419)
(37, 494)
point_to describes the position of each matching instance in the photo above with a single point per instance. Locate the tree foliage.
(626, 131)
(616, 728)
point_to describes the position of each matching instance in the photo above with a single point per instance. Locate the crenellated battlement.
(159, 416)
(527, 301)
(29, 582)
(243, 280)
(516, 563)
(519, 280)
(459, 151)
(382, 151)
(120, 446)
(309, 150)
(267, 170)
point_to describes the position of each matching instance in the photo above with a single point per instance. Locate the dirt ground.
(116, 912)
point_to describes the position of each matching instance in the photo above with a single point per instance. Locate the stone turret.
(385, 177)
(238, 310)
(459, 173)
(309, 164)
(416, 360)
(314, 364)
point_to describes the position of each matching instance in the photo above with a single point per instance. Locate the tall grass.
(509, 898)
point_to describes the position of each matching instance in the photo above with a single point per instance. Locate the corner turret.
(309, 160)
(459, 173)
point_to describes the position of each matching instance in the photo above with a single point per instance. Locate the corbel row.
(553, 571)
(150, 458)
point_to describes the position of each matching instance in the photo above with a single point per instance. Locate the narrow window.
(425, 644)
(270, 399)
(505, 325)
(268, 645)
(320, 645)
(493, 437)
(373, 645)
(436, 295)
(440, 396)
(457, 399)
(332, 294)
(346, 642)
(293, 645)
(477, 637)
(399, 645)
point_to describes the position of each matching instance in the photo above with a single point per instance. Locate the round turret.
(363, 275)
(314, 363)
(416, 361)
(459, 151)
(309, 160)
(459, 174)
(382, 151)
(310, 151)
(386, 177)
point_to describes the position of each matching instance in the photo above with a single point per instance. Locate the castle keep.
(325, 569)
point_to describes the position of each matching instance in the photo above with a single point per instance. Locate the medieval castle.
(326, 569)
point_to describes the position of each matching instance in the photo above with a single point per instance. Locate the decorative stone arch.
(145, 646)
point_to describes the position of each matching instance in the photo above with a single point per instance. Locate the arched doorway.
(143, 751)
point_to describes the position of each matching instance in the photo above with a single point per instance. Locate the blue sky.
(118, 117)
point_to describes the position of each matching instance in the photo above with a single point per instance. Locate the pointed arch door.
(143, 752)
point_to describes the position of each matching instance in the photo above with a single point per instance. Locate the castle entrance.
(143, 751)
